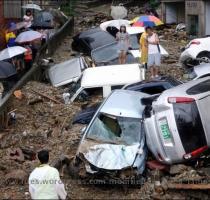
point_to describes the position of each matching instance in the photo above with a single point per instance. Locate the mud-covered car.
(114, 141)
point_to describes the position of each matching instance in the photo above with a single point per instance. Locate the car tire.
(205, 56)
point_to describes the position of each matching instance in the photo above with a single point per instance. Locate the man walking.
(44, 181)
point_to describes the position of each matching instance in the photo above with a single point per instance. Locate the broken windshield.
(114, 129)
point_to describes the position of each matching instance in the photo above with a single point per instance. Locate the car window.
(189, 126)
(116, 87)
(153, 89)
(199, 88)
(98, 39)
(106, 53)
(109, 55)
(114, 129)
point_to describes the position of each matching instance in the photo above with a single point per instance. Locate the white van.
(109, 77)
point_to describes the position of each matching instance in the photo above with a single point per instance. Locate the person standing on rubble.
(44, 181)
(124, 44)
(154, 56)
(144, 49)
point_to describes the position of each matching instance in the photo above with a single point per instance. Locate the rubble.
(44, 121)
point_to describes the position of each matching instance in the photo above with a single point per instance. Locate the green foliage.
(154, 3)
(68, 7)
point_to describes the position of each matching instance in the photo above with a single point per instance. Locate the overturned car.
(114, 141)
(176, 122)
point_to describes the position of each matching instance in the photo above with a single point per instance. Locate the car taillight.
(195, 153)
(195, 42)
(180, 100)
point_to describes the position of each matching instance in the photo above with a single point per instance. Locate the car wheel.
(204, 57)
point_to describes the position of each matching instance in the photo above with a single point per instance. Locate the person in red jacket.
(28, 57)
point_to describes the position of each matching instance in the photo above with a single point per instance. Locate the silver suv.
(177, 123)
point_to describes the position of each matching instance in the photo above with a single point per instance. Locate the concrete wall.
(173, 12)
(207, 20)
(196, 8)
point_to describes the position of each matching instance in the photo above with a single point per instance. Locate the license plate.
(165, 131)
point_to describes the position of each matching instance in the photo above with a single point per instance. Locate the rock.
(16, 154)
(16, 176)
(177, 169)
(164, 183)
(154, 164)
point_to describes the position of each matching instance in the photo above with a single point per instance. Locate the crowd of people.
(21, 62)
(149, 48)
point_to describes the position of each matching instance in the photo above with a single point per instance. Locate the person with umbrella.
(10, 35)
(124, 43)
(28, 18)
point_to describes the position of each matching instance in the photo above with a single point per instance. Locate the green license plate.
(165, 131)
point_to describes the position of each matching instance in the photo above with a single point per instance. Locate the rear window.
(199, 88)
(189, 126)
(153, 90)
(98, 39)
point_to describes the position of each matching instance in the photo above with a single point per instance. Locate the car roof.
(180, 90)
(124, 103)
(163, 79)
(202, 69)
(88, 32)
(111, 75)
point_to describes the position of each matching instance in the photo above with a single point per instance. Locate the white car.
(114, 141)
(108, 78)
(196, 52)
(199, 71)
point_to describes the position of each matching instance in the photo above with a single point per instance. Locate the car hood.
(115, 156)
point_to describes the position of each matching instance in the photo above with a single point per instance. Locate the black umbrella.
(43, 20)
(7, 70)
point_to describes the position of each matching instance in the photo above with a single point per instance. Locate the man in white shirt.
(44, 181)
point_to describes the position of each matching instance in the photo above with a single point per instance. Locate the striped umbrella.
(146, 20)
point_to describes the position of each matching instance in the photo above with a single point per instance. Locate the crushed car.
(114, 141)
(108, 54)
(91, 39)
(107, 78)
(66, 72)
(197, 51)
(176, 122)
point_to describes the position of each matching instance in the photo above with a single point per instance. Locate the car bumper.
(165, 153)
(188, 54)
